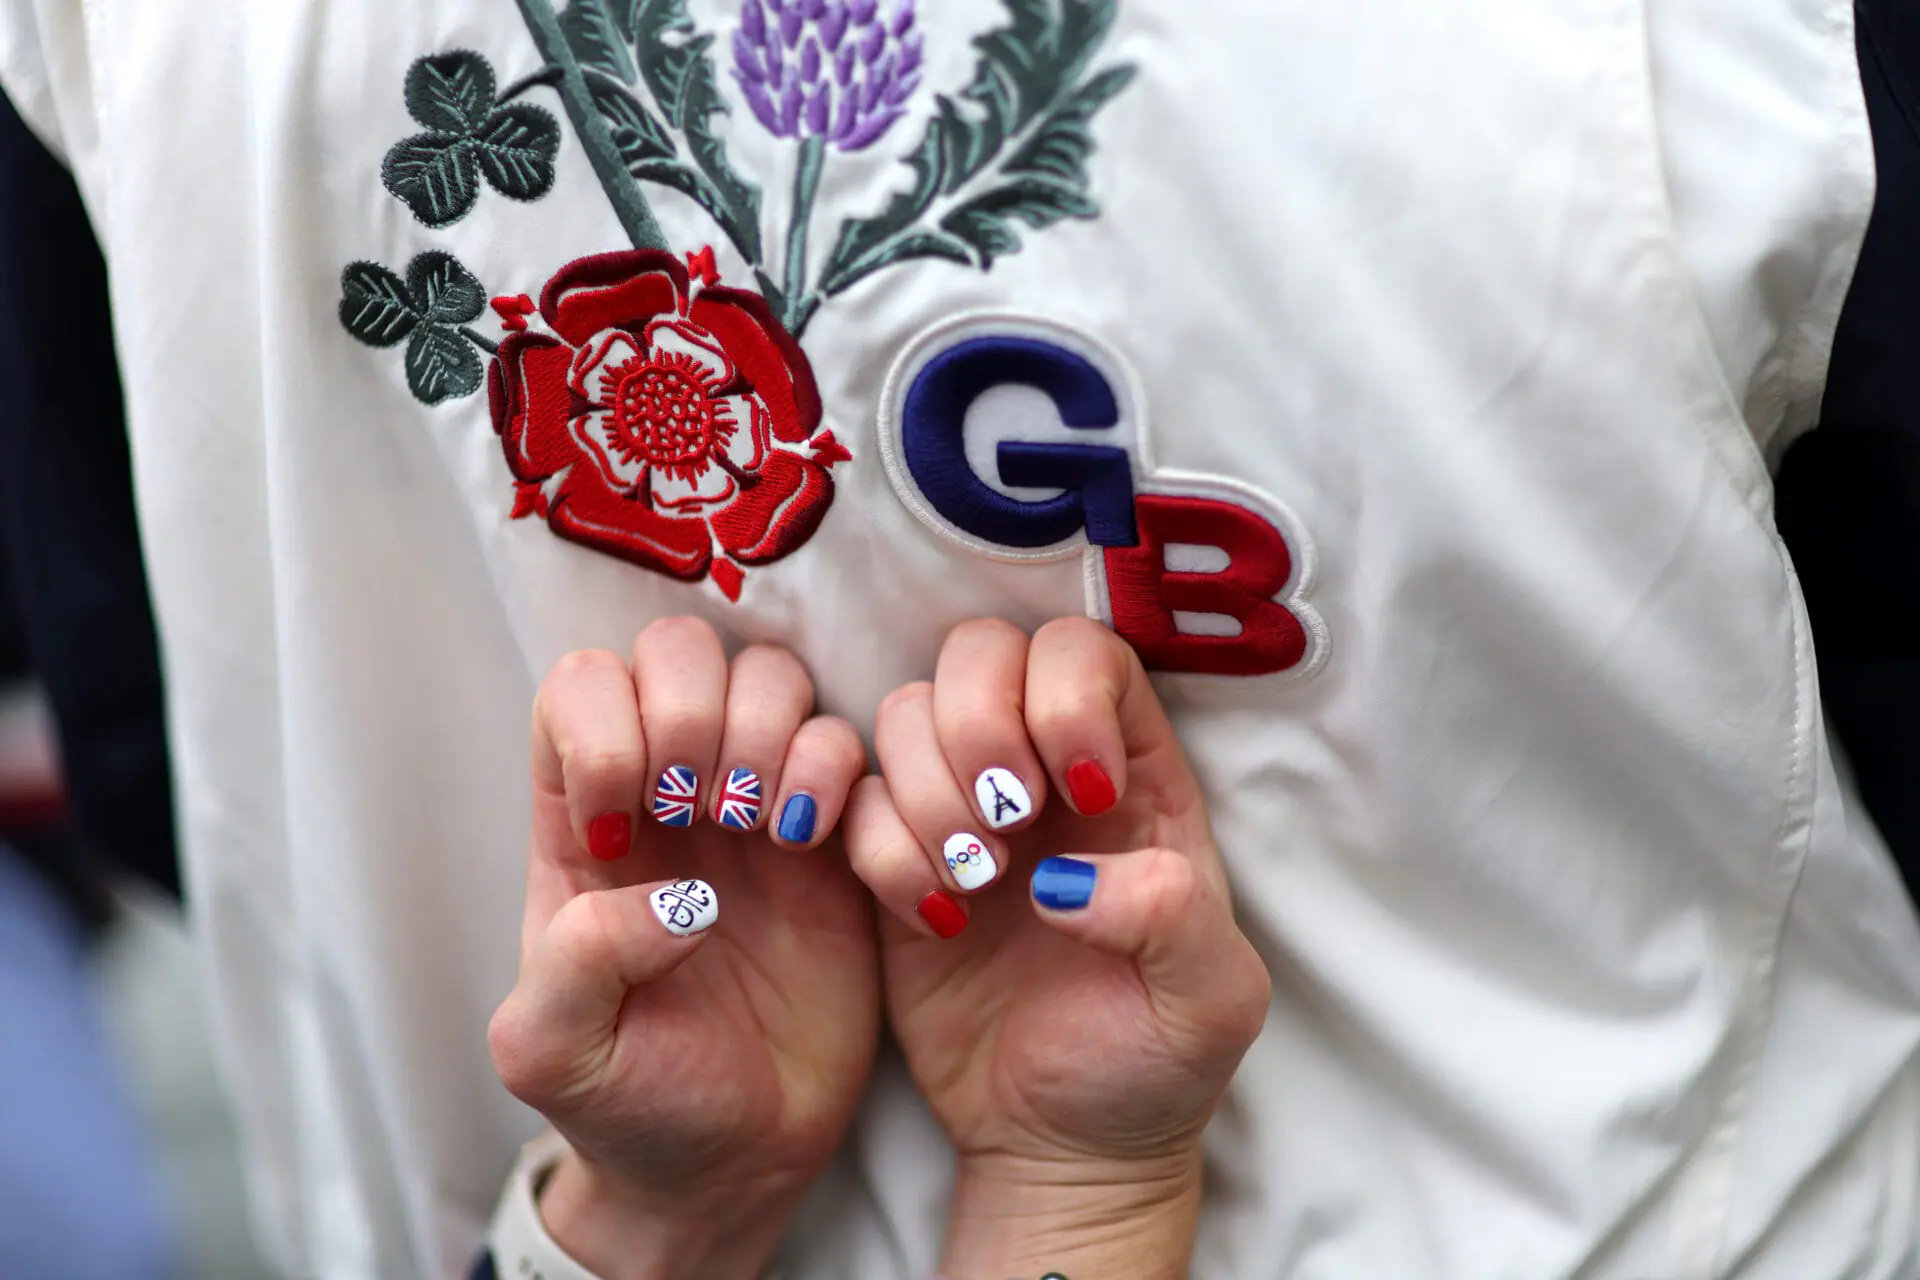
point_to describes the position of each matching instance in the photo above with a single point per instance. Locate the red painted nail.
(943, 915)
(1090, 788)
(609, 835)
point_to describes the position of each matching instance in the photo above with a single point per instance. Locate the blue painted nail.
(796, 819)
(1063, 884)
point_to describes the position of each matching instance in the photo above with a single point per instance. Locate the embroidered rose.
(665, 419)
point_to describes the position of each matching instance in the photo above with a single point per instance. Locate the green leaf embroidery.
(692, 184)
(435, 175)
(443, 291)
(374, 306)
(516, 146)
(597, 39)
(450, 92)
(637, 135)
(984, 222)
(441, 365)
(428, 308)
(682, 81)
(438, 173)
(1026, 93)
(1059, 148)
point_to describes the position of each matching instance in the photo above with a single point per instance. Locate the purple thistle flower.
(841, 70)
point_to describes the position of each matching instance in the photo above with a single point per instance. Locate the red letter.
(1146, 595)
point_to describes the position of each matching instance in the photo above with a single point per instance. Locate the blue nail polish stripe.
(1064, 884)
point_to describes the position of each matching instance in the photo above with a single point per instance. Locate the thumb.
(1154, 907)
(552, 1038)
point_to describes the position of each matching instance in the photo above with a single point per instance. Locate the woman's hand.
(698, 1003)
(1073, 1040)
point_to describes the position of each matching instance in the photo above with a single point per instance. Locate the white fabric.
(1586, 962)
(517, 1236)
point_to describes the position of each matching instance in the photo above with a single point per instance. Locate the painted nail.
(738, 806)
(675, 795)
(943, 915)
(1063, 884)
(797, 818)
(609, 836)
(971, 862)
(1090, 789)
(1003, 798)
(686, 908)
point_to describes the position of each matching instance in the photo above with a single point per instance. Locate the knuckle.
(1073, 632)
(681, 632)
(839, 739)
(978, 722)
(986, 631)
(596, 764)
(1252, 998)
(1169, 887)
(905, 699)
(585, 666)
(516, 1054)
(1065, 708)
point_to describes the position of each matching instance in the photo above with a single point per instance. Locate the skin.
(1073, 1056)
(702, 1082)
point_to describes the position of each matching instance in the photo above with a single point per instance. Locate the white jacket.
(1400, 377)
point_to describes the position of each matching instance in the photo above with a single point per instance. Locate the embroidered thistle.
(840, 70)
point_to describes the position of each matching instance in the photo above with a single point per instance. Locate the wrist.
(1022, 1216)
(621, 1232)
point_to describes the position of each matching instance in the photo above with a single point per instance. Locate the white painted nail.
(1004, 799)
(686, 908)
(971, 862)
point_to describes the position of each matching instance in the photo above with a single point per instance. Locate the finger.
(979, 694)
(935, 806)
(823, 762)
(1095, 719)
(1155, 907)
(884, 852)
(554, 1030)
(768, 695)
(680, 671)
(589, 759)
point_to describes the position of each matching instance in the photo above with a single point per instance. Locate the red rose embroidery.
(668, 421)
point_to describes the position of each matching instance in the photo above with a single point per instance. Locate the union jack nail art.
(739, 802)
(675, 795)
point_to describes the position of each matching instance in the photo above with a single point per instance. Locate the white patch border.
(1148, 476)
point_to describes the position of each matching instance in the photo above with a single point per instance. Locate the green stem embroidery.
(806, 188)
(622, 191)
(485, 344)
(542, 77)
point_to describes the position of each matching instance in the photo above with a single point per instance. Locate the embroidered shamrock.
(469, 136)
(429, 311)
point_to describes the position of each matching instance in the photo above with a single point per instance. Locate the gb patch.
(1024, 440)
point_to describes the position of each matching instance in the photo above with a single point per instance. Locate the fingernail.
(1090, 789)
(1003, 798)
(609, 836)
(943, 915)
(796, 819)
(675, 795)
(1063, 884)
(971, 862)
(686, 908)
(738, 805)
